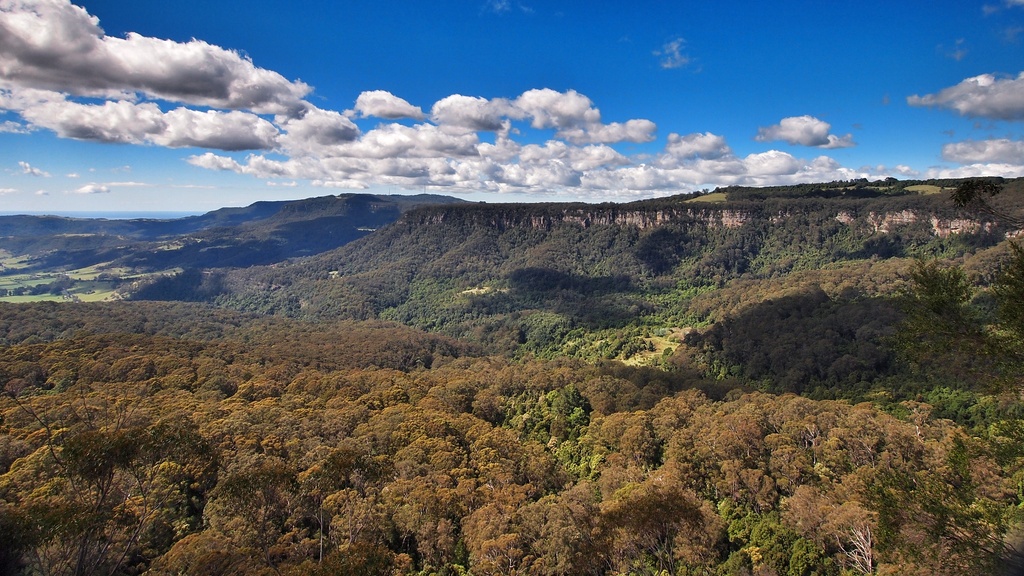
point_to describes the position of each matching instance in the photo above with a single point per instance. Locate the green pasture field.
(90, 284)
(926, 189)
(713, 198)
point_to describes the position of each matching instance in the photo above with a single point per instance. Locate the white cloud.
(60, 72)
(30, 170)
(579, 159)
(706, 145)
(541, 175)
(316, 130)
(976, 170)
(384, 104)
(630, 131)
(671, 54)
(420, 141)
(54, 45)
(11, 127)
(93, 189)
(985, 151)
(804, 131)
(984, 96)
(417, 156)
(771, 163)
(473, 113)
(231, 130)
(4, 191)
(212, 161)
(551, 109)
(127, 122)
(577, 120)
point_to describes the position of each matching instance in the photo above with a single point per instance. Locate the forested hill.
(610, 280)
(258, 234)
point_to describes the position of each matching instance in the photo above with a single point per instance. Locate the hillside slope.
(262, 233)
(628, 281)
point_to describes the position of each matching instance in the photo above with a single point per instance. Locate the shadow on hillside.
(546, 280)
(594, 302)
(798, 341)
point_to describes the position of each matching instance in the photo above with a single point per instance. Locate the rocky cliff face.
(546, 217)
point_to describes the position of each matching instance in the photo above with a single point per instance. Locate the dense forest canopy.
(813, 380)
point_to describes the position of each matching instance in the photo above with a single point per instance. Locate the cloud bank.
(60, 72)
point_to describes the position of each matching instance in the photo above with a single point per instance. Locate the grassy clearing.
(926, 189)
(481, 290)
(667, 342)
(30, 299)
(11, 262)
(95, 283)
(712, 198)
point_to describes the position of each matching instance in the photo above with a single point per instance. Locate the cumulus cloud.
(1001, 150)
(706, 145)
(422, 140)
(11, 127)
(127, 122)
(984, 96)
(579, 159)
(804, 131)
(576, 119)
(384, 104)
(551, 109)
(55, 45)
(212, 161)
(316, 130)
(60, 72)
(27, 168)
(688, 162)
(473, 113)
(671, 54)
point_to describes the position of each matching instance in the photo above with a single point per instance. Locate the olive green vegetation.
(812, 380)
(603, 281)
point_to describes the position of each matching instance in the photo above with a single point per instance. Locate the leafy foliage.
(262, 450)
(321, 430)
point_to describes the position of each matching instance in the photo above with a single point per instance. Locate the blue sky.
(189, 106)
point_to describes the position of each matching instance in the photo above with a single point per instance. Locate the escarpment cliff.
(871, 216)
(439, 262)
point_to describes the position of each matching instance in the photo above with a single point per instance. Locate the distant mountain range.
(262, 233)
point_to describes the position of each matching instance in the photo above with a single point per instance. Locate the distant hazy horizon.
(107, 215)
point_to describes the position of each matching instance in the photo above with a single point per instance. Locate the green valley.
(799, 380)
